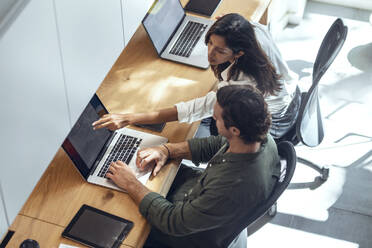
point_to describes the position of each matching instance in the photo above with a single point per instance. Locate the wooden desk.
(138, 81)
(28, 228)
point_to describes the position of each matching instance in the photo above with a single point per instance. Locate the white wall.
(91, 36)
(133, 13)
(5, 7)
(33, 101)
(54, 55)
(3, 220)
(9, 10)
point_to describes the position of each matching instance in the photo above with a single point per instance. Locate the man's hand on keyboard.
(121, 174)
(150, 157)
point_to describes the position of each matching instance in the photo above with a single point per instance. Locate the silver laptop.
(92, 151)
(175, 35)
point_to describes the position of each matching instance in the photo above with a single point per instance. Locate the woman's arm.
(117, 121)
(190, 111)
(196, 109)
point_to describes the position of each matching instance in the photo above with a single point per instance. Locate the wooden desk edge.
(168, 174)
(25, 227)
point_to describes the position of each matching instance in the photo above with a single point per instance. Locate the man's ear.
(235, 131)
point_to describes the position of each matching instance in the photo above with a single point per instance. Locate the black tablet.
(153, 127)
(202, 7)
(95, 228)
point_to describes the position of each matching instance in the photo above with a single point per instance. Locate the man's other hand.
(154, 156)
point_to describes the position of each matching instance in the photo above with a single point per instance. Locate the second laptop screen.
(161, 21)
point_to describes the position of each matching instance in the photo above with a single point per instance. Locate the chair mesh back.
(287, 152)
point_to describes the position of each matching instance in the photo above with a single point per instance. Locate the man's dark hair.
(245, 108)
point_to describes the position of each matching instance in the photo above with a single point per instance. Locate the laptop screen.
(162, 20)
(83, 144)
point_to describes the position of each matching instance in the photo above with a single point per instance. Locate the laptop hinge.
(102, 152)
(174, 32)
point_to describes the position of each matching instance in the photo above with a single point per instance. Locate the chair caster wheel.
(325, 174)
(272, 211)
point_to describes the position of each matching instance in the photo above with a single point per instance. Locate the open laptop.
(92, 151)
(175, 35)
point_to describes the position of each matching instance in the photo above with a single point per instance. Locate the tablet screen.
(203, 7)
(97, 228)
(153, 127)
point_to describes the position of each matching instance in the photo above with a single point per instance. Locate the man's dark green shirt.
(206, 209)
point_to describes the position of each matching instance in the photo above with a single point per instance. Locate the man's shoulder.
(269, 141)
(218, 141)
(214, 140)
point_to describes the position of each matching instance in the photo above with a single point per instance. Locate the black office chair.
(309, 127)
(288, 160)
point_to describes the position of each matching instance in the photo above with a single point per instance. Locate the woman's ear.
(239, 54)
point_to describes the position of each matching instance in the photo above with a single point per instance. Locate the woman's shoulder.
(261, 29)
(243, 79)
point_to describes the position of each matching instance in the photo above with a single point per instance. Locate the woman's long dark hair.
(239, 35)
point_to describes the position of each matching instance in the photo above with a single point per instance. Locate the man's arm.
(203, 149)
(203, 213)
(209, 210)
(179, 150)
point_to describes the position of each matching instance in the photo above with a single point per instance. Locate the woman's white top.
(202, 107)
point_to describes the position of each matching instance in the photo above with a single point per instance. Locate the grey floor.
(337, 213)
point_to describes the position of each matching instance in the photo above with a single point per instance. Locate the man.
(206, 208)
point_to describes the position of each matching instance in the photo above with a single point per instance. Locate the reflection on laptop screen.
(161, 20)
(86, 141)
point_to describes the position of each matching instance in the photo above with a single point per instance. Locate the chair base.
(323, 171)
(272, 210)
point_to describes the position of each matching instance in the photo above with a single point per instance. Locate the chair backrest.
(309, 125)
(329, 49)
(288, 158)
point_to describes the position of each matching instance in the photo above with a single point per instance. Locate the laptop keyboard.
(188, 38)
(124, 149)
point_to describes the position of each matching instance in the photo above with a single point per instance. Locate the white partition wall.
(9, 10)
(3, 220)
(133, 13)
(53, 57)
(91, 36)
(33, 102)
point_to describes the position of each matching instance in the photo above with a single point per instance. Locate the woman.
(239, 53)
